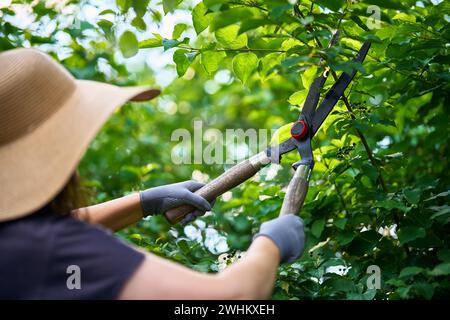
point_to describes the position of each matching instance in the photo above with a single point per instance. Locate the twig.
(233, 50)
(333, 182)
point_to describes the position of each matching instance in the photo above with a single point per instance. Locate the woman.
(47, 119)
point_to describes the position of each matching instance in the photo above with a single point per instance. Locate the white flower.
(214, 242)
(200, 223)
(211, 232)
(193, 233)
(388, 231)
(339, 270)
(222, 245)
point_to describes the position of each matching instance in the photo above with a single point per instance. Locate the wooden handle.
(296, 191)
(226, 181)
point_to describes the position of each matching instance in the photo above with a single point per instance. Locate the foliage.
(381, 159)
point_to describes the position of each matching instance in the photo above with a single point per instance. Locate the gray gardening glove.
(161, 199)
(287, 233)
(194, 214)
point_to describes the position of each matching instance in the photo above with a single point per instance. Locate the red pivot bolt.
(299, 129)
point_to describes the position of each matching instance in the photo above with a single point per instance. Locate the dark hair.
(72, 196)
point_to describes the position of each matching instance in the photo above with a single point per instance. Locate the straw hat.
(47, 120)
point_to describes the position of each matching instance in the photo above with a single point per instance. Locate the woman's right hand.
(287, 233)
(161, 199)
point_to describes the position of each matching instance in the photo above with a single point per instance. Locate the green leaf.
(410, 271)
(214, 4)
(249, 24)
(361, 124)
(282, 134)
(385, 4)
(440, 211)
(334, 5)
(424, 289)
(340, 284)
(202, 266)
(229, 37)
(242, 224)
(169, 43)
(442, 194)
(410, 233)
(278, 11)
(200, 18)
(230, 16)
(182, 61)
(370, 171)
(396, 282)
(124, 5)
(442, 269)
(404, 17)
(391, 204)
(298, 98)
(412, 195)
(345, 238)
(139, 23)
(268, 63)
(340, 223)
(151, 43)
(444, 255)
(183, 245)
(178, 30)
(105, 25)
(307, 20)
(308, 76)
(107, 11)
(135, 238)
(169, 5)
(348, 66)
(404, 292)
(317, 227)
(128, 44)
(244, 64)
(369, 294)
(211, 60)
(140, 7)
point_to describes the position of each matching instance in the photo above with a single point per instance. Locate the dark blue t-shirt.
(44, 256)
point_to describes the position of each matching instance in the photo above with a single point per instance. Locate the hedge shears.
(302, 131)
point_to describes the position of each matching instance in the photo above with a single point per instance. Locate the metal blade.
(336, 91)
(275, 152)
(309, 107)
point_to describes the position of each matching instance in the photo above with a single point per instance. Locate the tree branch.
(234, 50)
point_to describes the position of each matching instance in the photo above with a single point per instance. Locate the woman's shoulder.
(42, 247)
(33, 229)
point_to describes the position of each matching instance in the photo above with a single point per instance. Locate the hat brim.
(35, 167)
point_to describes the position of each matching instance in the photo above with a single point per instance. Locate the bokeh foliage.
(381, 160)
